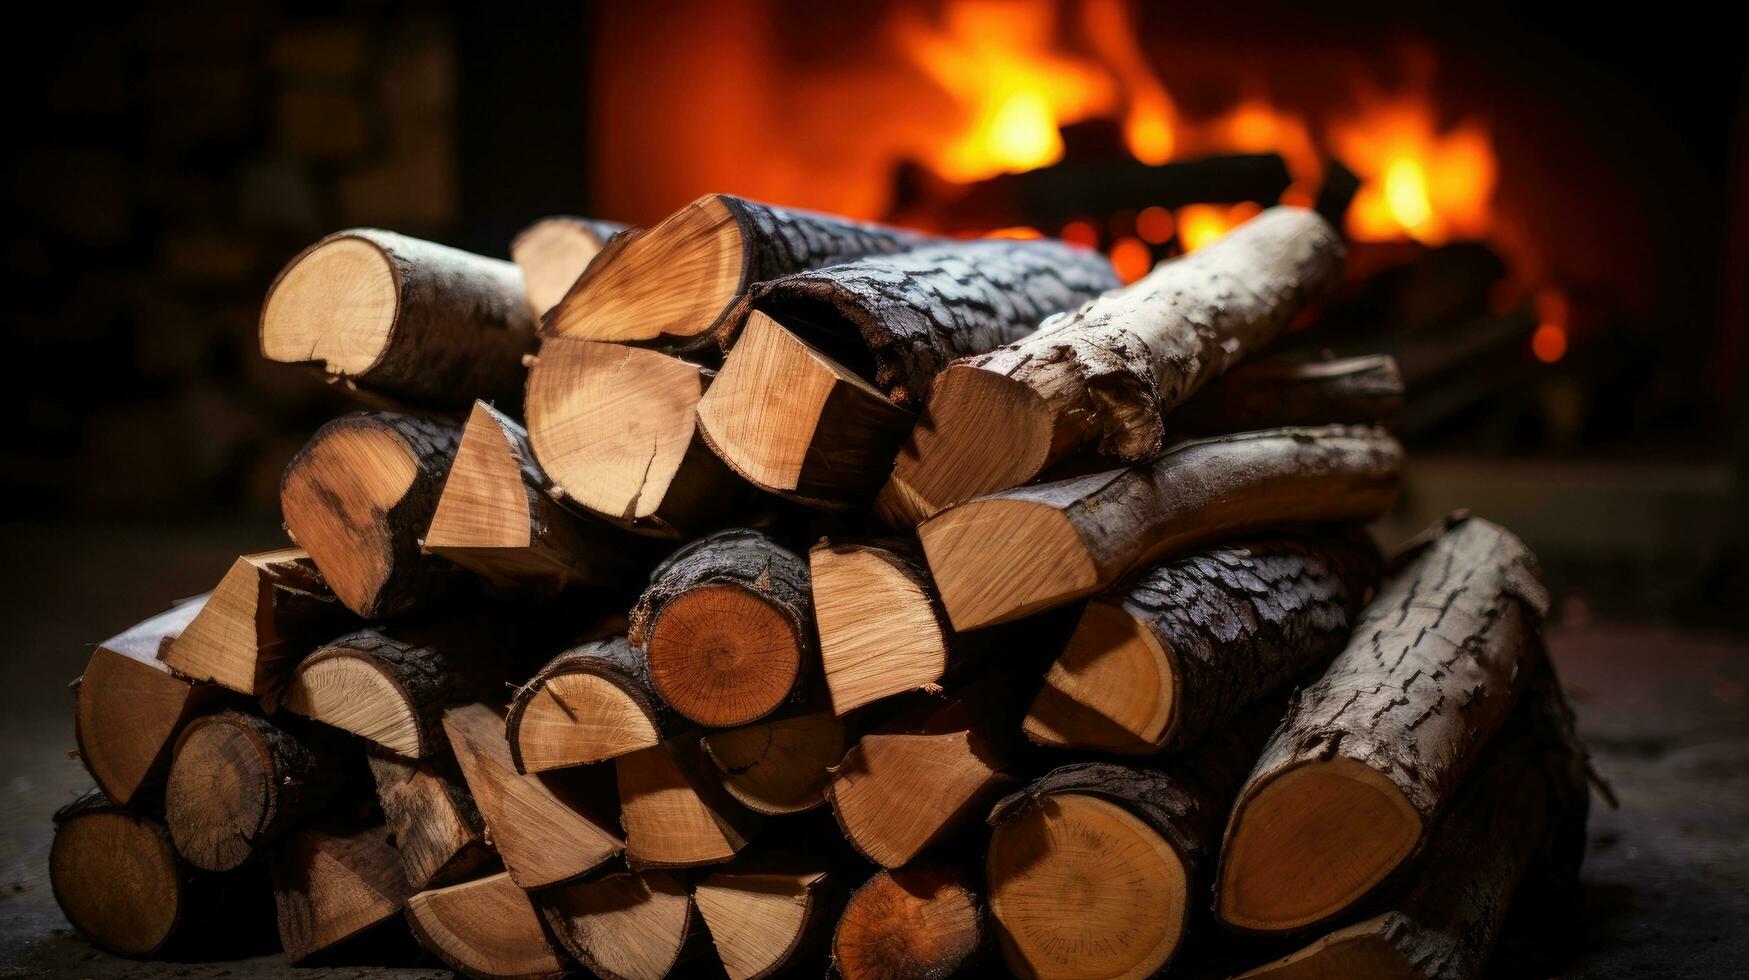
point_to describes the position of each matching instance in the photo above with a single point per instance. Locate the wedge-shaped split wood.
(359, 497)
(553, 252)
(548, 829)
(412, 320)
(882, 629)
(793, 421)
(675, 811)
(1103, 378)
(485, 928)
(269, 610)
(677, 284)
(1269, 394)
(128, 707)
(1010, 554)
(239, 782)
(778, 766)
(1370, 755)
(1178, 650)
(728, 626)
(431, 818)
(616, 430)
(333, 884)
(625, 926)
(763, 921)
(588, 704)
(924, 920)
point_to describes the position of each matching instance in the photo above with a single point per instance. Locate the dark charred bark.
(1269, 394)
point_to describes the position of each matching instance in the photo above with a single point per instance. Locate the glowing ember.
(1420, 182)
(1200, 224)
(1131, 258)
(1549, 342)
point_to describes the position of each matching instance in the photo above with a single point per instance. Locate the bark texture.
(431, 668)
(915, 311)
(1270, 394)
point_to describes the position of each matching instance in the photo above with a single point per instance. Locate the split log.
(120, 883)
(128, 707)
(1177, 651)
(496, 518)
(588, 704)
(616, 429)
(553, 252)
(781, 766)
(882, 629)
(625, 926)
(676, 286)
(412, 320)
(675, 811)
(1520, 816)
(765, 921)
(1368, 757)
(485, 928)
(925, 920)
(1096, 869)
(432, 820)
(239, 782)
(1010, 554)
(791, 420)
(333, 885)
(1273, 394)
(907, 314)
(547, 828)
(270, 609)
(728, 628)
(1103, 378)
(359, 497)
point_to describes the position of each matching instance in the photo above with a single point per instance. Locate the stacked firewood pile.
(912, 605)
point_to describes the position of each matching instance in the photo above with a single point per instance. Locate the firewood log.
(548, 828)
(616, 429)
(121, 884)
(675, 811)
(419, 322)
(432, 820)
(553, 252)
(334, 884)
(676, 285)
(1269, 394)
(1096, 869)
(778, 766)
(1004, 556)
(1520, 816)
(1369, 756)
(485, 928)
(881, 626)
(359, 497)
(1103, 377)
(625, 926)
(496, 518)
(1175, 652)
(269, 610)
(728, 628)
(128, 707)
(766, 919)
(589, 704)
(239, 782)
(924, 920)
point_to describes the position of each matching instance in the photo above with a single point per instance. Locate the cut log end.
(128, 706)
(1312, 841)
(355, 694)
(263, 615)
(1113, 689)
(485, 502)
(723, 655)
(574, 718)
(779, 767)
(880, 631)
(673, 817)
(897, 792)
(760, 922)
(998, 559)
(117, 879)
(1080, 885)
(484, 928)
(335, 306)
(623, 926)
(220, 795)
(552, 253)
(331, 886)
(921, 921)
(1366, 950)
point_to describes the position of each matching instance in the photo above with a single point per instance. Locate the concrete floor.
(1666, 713)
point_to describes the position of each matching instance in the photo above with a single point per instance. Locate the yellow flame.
(1417, 181)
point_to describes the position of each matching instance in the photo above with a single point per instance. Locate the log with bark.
(548, 828)
(1102, 379)
(333, 884)
(487, 927)
(553, 252)
(128, 707)
(616, 429)
(431, 818)
(676, 285)
(589, 704)
(496, 518)
(766, 919)
(1369, 756)
(412, 320)
(239, 782)
(1268, 394)
(728, 627)
(1178, 650)
(359, 497)
(778, 766)
(675, 811)
(626, 926)
(923, 920)
(269, 610)
(1004, 556)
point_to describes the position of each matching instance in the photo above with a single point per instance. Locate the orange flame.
(1419, 182)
